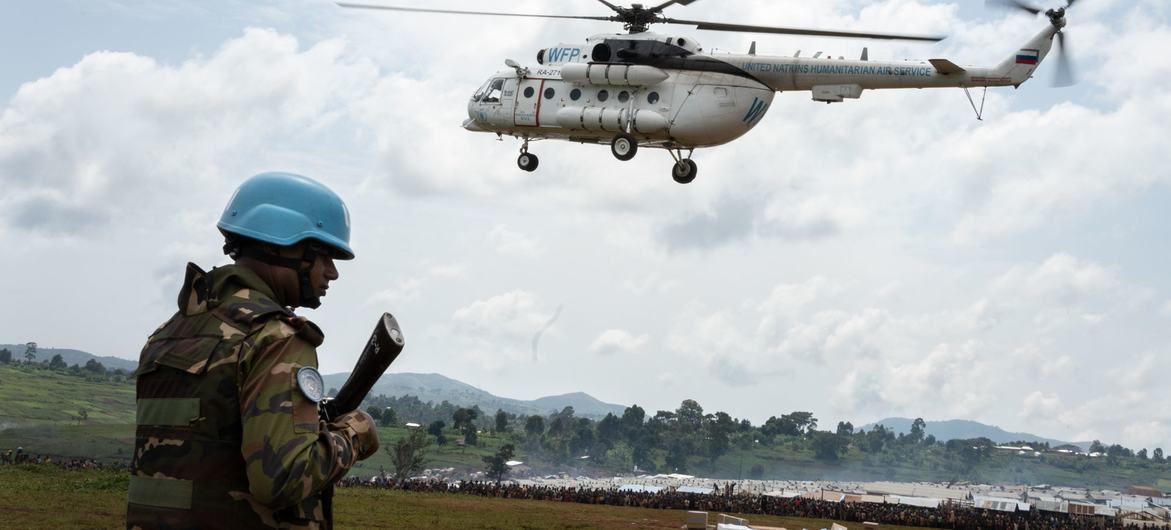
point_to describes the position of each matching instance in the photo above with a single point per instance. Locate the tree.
(1157, 454)
(1097, 447)
(95, 366)
(828, 446)
(632, 423)
(436, 428)
(407, 454)
(57, 363)
(5, 356)
(845, 428)
(465, 421)
(374, 412)
(609, 431)
(918, 428)
(497, 464)
(535, 426)
(30, 351)
(1142, 453)
(720, 427)
(501, 421)
(389, 417)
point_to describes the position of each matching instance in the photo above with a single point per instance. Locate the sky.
(889, 256)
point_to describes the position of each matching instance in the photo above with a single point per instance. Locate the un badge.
(310, 382)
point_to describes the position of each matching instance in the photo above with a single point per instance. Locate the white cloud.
(512, 314)
(410, 289)
(79, 147)
(954, 269)
(1148, 434)
(1039, 406)
(618, 341)
(513, 243)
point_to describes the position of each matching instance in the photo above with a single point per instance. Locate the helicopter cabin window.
(494, 89)
(575, 94)
(549, 92)
(603, 95)
(529, 91)
(624, 96)
(482, 91)
(652, 98)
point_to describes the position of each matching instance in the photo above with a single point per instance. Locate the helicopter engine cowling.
(611, 120)
(613, 74)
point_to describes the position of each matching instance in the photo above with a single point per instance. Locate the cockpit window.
(490, 92)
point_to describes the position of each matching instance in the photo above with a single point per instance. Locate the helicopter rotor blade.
(720, 26)
(659, 8)
(1064, 75)
(351, 5)
(1014, 4)
(611, 6)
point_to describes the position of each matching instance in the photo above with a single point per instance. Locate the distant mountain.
(437, 388)
(965, 429)
(72, 357)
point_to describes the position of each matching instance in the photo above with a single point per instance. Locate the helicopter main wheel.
(623, 146)
(684, 171)
(527, 161)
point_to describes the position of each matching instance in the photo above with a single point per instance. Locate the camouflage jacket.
(225, 438)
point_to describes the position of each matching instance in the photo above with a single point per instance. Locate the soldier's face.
(322, 272)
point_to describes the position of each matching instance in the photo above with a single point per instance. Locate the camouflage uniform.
(225, 438)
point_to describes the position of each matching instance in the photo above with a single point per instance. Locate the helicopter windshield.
(490, 91)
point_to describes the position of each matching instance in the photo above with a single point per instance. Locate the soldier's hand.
(361, 430)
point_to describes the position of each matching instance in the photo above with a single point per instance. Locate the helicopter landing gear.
(527, 161)
(684, 169)
(623, 146)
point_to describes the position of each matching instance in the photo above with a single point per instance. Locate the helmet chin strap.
(306, 297)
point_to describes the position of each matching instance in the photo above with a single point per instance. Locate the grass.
(33, 395)
(46, 497)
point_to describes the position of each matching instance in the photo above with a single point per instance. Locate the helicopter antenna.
(637, 18)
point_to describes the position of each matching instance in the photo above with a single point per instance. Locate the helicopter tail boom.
(1019, 66)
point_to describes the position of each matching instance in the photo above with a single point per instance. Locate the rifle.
(384, 346)
(385, 343)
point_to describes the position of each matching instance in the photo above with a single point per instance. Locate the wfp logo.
(755, 111)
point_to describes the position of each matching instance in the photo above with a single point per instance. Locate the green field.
(47, 497)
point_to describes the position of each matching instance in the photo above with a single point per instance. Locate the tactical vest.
(187, 470)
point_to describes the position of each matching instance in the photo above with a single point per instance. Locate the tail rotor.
(1063, 76)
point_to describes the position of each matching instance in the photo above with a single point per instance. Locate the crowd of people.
(20, 456)
(946, 516)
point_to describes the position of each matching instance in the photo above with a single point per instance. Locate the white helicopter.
(642, 89)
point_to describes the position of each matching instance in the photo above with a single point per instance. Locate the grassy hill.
(42, 414)
(71, 357)
(34, 395)
(437, 388)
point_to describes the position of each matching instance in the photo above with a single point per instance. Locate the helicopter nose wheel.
(684, 169)
(623, 146)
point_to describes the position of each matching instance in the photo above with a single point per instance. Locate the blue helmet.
(285, 209)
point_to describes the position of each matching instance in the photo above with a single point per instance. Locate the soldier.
(228, 430)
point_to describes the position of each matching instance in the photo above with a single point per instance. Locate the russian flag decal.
(1027, 56)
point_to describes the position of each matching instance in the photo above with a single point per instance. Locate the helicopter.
(643, 89)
